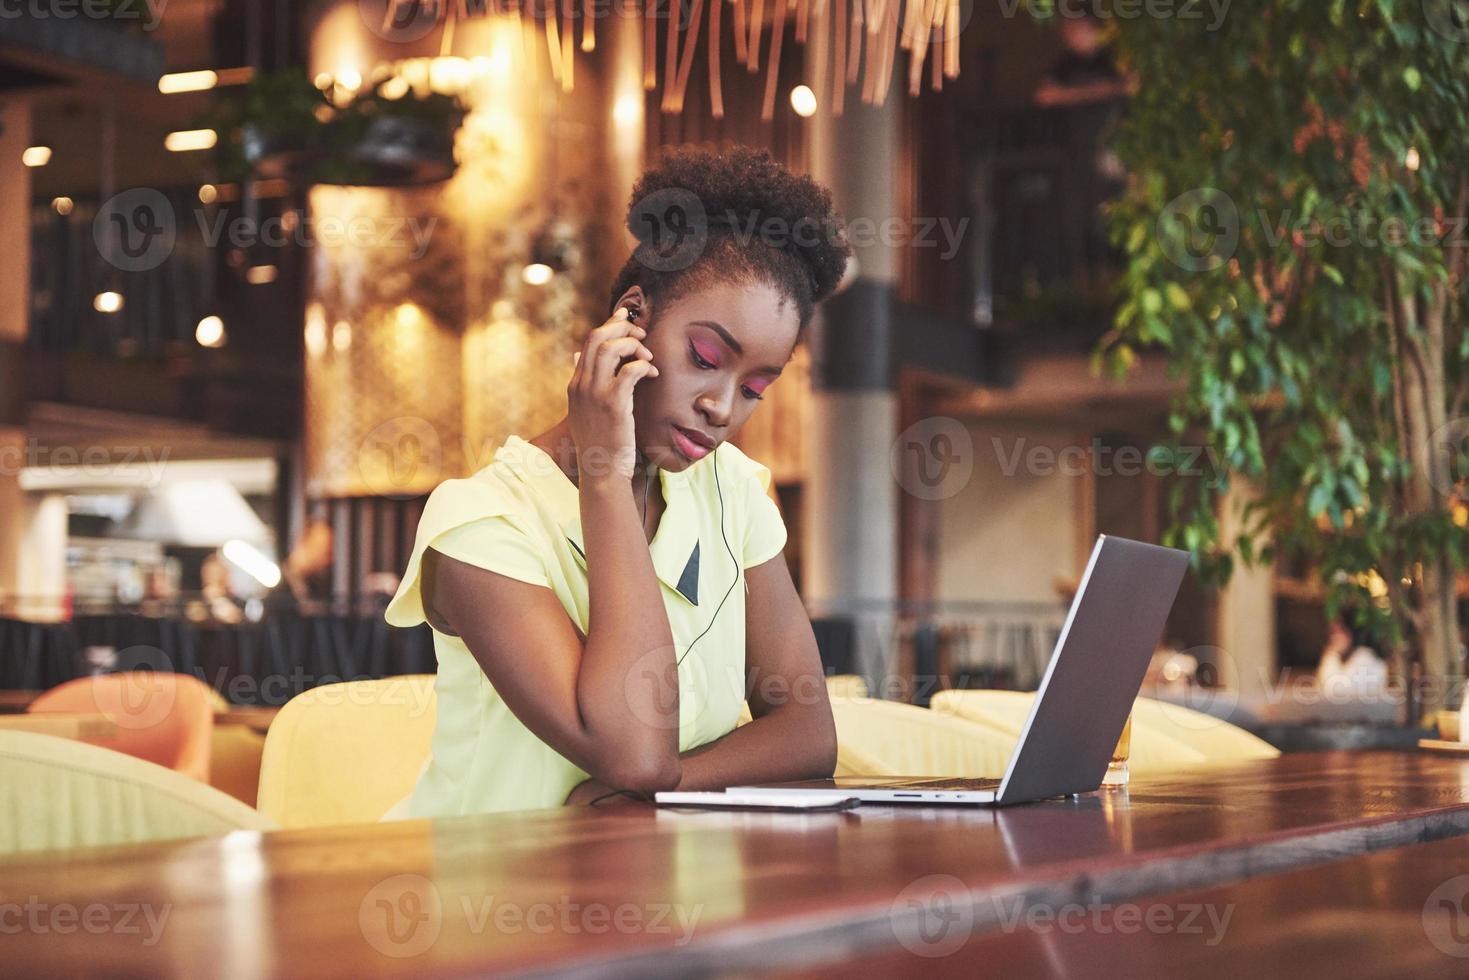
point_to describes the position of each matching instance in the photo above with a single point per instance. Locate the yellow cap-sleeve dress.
(520, 517)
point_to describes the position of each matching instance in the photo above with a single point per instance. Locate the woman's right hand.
(599, 397)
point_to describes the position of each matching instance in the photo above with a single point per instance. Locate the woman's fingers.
(615, 328)
(613, 353)
(630, 375)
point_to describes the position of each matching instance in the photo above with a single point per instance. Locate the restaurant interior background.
(288, 266)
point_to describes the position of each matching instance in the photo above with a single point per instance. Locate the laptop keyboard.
(939, 782)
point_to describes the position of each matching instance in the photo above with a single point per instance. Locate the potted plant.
(393, 142)
(274, 127)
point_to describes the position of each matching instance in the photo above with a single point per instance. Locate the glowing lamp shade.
(210, 332)
(185, 140)
(253, 562)
(196, 513)
(803, 100)
(188, 81)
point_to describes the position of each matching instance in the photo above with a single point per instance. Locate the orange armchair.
(161, 717)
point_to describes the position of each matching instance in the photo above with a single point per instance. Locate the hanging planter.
(402, 142)
(285, 127)
(272, 128)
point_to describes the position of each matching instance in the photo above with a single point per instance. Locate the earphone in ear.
(633, 312)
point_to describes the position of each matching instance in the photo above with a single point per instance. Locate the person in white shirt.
(1349, 668)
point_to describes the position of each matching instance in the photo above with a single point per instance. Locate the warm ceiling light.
(36, 156)
(259, 275)
(253, 562)
(803, 100)
(210, 332)
(627, 110)
(315, 330)
(537, 274)
(62, 205)
(107, 302)
(208, 194)
(184, 140)
(394, 88)
(188, 81)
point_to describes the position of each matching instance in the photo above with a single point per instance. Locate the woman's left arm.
(792, 735)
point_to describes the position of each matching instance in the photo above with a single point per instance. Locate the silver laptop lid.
(1095, 671)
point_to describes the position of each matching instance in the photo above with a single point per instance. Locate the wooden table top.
(1397, 913)
(630, 889)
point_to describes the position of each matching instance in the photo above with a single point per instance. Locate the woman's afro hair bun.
(747, 192)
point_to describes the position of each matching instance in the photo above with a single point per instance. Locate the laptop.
(1084, 698)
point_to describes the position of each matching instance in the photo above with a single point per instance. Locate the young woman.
(606, 596)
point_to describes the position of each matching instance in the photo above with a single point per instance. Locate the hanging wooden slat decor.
(864, 34)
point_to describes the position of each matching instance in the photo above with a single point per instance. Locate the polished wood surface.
(84, 726)
(1397, 913)
(631, 889)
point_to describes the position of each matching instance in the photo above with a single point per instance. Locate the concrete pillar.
(15, 203)
(851, 508)
(1246, 610)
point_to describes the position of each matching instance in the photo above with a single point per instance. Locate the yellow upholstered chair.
(837, 686)
(1216, 738)
(1159, 741)
(61, 793)
(346, 753)
(846, 686)
(888, 738)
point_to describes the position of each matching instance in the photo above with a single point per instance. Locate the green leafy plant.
(1294, 230)
(281, 124)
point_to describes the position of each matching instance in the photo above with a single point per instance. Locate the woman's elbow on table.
(644, 772)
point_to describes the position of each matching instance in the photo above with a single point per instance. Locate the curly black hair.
(703, 217)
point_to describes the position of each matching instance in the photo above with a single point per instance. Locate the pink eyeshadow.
(707, 353)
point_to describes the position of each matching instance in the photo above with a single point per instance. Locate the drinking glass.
(1117, 769)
